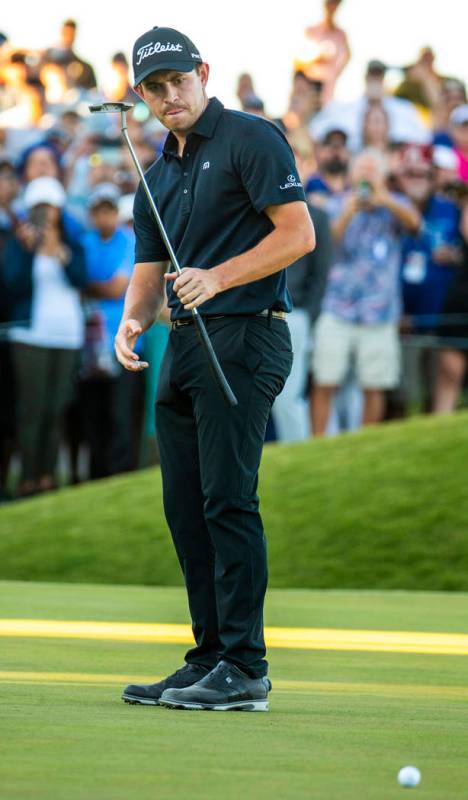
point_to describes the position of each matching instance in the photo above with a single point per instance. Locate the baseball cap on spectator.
(444, 157)
(459, 115)
(376, 67)
(104, 193)
(44, 190)
(335, 130)
(163, 48)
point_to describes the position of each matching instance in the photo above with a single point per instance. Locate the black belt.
(180, 323)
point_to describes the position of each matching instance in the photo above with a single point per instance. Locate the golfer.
(233, 206)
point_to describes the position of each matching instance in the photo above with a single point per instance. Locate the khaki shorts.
(375, 348)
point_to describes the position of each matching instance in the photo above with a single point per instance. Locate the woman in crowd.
(375, 128)
(44, 270)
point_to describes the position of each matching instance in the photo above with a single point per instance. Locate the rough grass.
(381, 508)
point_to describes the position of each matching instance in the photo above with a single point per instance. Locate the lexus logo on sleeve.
(291, 182)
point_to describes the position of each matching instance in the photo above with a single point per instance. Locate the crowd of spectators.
(380, 320)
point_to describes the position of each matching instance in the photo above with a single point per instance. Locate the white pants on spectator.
(291, 409)
(375, 348)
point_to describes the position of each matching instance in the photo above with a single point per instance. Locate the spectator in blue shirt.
(333, 161)
(105, 388)
(431, 255)
(429, 264)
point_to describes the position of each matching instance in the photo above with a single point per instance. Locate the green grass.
(381, 508)
(343, 739)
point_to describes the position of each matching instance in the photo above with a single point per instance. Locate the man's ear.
(204, 72)
(139, 91)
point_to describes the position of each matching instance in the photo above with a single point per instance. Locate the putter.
(220, 378)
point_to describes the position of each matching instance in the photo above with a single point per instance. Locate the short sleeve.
(149, 245)
(267, 167)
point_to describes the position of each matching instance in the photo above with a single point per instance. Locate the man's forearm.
(339, 225)
(408, 216)
(145, 294)
(276, 251)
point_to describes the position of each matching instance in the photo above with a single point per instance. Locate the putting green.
(341, 724)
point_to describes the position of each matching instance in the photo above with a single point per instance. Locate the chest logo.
(206, 165)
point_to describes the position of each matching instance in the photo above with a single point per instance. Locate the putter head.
(109, 108)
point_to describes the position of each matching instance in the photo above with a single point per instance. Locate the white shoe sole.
(139, 701)
(242, 705)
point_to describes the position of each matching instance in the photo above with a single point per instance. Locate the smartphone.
(38, 218)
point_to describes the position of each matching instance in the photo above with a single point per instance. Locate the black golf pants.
(210, 455)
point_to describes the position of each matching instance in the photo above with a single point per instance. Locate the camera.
(364, 191)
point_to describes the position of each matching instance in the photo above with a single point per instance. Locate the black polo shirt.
(212, 201)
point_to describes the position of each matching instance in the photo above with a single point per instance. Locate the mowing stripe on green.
(290, 638)
(301, 687)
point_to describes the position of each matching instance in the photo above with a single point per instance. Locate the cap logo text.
(157, 47)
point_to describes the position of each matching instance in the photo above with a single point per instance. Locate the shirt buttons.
(185, 191)
(185, 174)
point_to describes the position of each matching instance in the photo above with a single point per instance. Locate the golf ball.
(409, 777)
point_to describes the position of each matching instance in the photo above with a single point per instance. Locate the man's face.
(375, 89)
(417, 182)
(177, 99)
(333, 155)
(41, 163)
(366, 168)
(68, 35)
(105, 218)
(331, 6)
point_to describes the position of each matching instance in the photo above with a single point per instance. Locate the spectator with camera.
(361, 307)
(44, 272)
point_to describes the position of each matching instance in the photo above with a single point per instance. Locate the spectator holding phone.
(361, 306)
(44, 271)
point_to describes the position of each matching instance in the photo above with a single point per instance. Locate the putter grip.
(218, 373)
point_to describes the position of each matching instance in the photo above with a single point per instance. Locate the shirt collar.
(205, 126)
